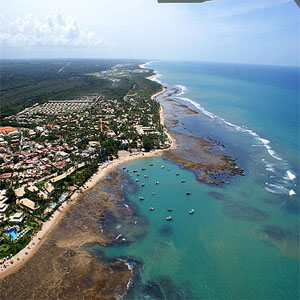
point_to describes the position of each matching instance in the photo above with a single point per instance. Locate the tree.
(10, 194)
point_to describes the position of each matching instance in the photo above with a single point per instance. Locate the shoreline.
(13, 264)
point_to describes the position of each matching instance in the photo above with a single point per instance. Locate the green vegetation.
(26, 82)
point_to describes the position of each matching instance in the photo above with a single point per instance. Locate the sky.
(248, 31)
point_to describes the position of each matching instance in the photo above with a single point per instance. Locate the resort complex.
(50, 149)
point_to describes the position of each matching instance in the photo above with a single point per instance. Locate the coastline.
(13, 264)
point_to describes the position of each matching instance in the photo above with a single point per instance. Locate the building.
(16, 218)
(8, 130)
(26, 203)
(3, 207)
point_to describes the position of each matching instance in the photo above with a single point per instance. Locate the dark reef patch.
(292, 205)
(285, 239)
(239, 210)
(244, 211)
(219, 196)
(277, 233)
(165, 230)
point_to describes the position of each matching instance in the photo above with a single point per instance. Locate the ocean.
(242, 242)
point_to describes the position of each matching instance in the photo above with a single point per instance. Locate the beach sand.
(13, 264)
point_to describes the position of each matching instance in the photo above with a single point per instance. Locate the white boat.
(157, 182)
(162, 166)
(151, 208)
(142, 198)
(169, 218)
(191, 211)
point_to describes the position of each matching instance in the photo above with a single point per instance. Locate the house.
(3, 199)
(16, 218)
(3, 207)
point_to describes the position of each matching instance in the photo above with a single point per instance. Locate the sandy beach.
(16, 262)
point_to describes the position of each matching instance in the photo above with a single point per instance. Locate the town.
(49, 150)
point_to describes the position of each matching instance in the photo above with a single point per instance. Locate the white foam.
(290, 175)
(197, 105)
(182, 88)
(277, 189)
(155, 78)
(292, 192)
(264, 142)
(143, 66)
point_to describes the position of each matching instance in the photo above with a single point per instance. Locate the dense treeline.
(25, 82)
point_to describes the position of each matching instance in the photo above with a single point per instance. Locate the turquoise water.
(13, 234)
(242, 242)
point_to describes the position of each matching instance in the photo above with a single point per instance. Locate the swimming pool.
(62, 198)
(52, 205)
(13, 233)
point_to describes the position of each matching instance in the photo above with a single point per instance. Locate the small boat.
(143, 169)
(157, 182)
(169, 218)
(151, 165)
(177, 174)
(151, 208)
(183, 181)
(146, 176)
(188, 193)
(137, 174)
(124, 168)
(143, 184)
(137, 180)
(134, 171)
(170, 209)
(162, 166)
(142, 198)
(153, 193)
(191, 211)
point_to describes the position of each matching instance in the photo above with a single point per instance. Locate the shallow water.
(222, 251)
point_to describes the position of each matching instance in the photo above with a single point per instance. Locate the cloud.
(56, 30)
